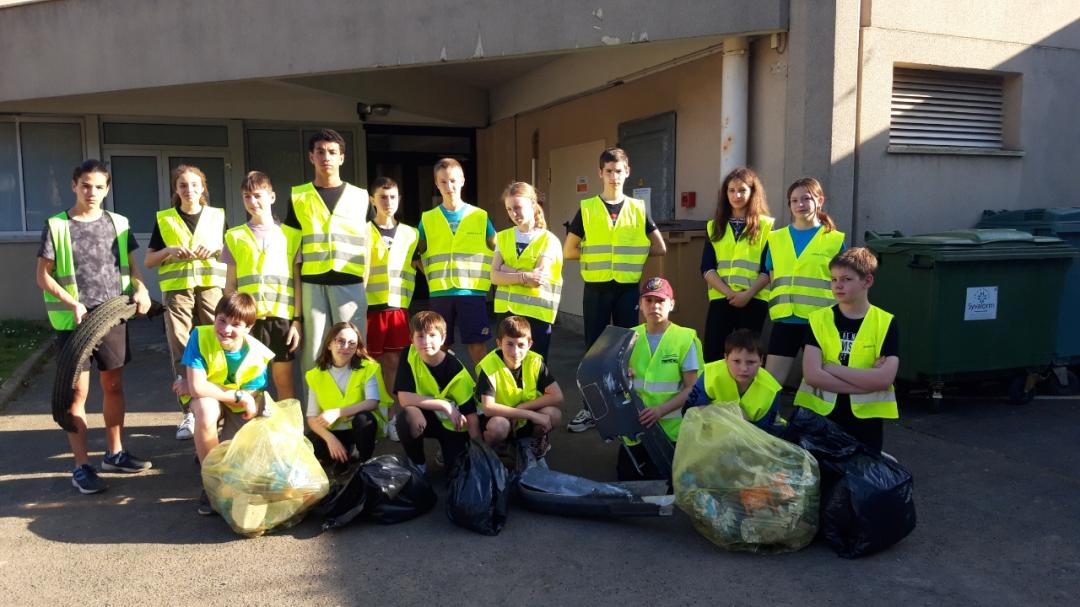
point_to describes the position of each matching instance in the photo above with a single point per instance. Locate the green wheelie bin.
(972, 304)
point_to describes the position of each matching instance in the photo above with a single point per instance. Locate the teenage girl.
(527, 266)
(797, 260)
(731, 260)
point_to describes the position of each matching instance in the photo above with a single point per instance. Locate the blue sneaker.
(86, 480)
(123, 461)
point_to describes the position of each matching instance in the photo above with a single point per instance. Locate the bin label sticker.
(981, 303)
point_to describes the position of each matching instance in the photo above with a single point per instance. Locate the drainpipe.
(734, 102)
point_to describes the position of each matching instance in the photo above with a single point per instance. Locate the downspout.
(734, 104)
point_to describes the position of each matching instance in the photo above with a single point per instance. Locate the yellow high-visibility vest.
(61, 316)
(458, 390)
(217, 368)
(266, 275)
(801, 284)
(507, 391)
(332, 242)
(738, 261)
(329, 396)
(177, 275)
(658, 375)
(392, 279)
(457, 260)
(540, 302)
(865, 351)
(721, 387)
(613, 252)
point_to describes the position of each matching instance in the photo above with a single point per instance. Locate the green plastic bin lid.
(1052, 220)
(975, 244)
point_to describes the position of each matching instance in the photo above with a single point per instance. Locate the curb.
(18, 378)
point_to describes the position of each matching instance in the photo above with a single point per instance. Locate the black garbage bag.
(387, 489)
(479, 495)
(867, 501)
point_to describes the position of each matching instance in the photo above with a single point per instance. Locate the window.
(36, 159)
(952, 111)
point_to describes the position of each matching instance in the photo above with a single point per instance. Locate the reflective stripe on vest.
(800, 284)
(457, 260)
(865, 350)
(265, 275)
(332, 242)
(177, 275)
(738, 262)
(61, 316)
(217, 368)
(329, 396)
(721, 387)
(507, 391)
(458, 390)
(391, 278)
(540, 302)
(613, 252)
(658, 375)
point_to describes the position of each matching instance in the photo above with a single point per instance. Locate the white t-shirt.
(341, 377)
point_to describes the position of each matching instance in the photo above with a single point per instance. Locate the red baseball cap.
(657, 287)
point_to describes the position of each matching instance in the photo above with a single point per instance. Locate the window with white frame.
(36, 160)
(949, 109)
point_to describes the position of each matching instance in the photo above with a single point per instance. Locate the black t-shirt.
(444, 373)
(96, 253)
(543, 380)
(388, 235)
(330, 197)
(157, 243)
(577, 225)
(848, 328)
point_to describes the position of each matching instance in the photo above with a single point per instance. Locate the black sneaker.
(204, 508)
(123, 461)
(85, 478)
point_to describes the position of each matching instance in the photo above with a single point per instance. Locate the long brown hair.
(525, 190)
(185, 168)
(755, 207)
(326, 357)
(814, 187)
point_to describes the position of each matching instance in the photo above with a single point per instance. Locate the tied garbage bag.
(388, 489)
(479, 494)
(267, 475)
(867, 501)
(743, 488)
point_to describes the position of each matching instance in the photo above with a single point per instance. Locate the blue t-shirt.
(454, 219)
(799, 238)
(193, 358)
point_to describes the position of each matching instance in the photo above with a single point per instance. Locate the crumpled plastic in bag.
(267, 476)
(743, 488)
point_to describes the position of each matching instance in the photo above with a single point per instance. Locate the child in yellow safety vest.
(515, 391)
(185, 244)
(435, 391)
(261, 260)
(740, 378)
(347, 399)
(665, 363)
(852, 354)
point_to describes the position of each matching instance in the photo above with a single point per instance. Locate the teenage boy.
(457, 243)
(390, 285)
(612, 234)
(665, 363)
(261, 261)
(740, 378)
(852, 354)
(332, 216)
(435, 392)
(515, 390)
(84, 261)
(224, 365)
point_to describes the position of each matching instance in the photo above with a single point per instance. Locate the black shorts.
(272, 331)
(787, 338)
(526, 431)
(112, 353)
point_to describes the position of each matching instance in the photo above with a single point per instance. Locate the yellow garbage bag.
(267, 475)
(743, 488)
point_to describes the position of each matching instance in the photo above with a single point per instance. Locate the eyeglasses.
(345, 345)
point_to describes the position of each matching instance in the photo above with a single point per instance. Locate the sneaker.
(391, 430)
(186, 429)
(540, 446)
(204, 508)
(85, 478)
(122, 461)
(581, 422)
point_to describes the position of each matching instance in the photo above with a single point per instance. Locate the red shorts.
(387, 331)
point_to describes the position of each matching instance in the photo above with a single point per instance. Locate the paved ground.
(997, 490)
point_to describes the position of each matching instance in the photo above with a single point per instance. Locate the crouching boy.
(435, 392)
(740, 378)
(515, 390)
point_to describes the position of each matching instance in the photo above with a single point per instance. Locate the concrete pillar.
(734, 103)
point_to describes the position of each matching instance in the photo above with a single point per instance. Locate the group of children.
(336, 279)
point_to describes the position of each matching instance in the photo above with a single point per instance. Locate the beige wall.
(22, 298)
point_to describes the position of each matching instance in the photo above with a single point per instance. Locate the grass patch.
(18, 339)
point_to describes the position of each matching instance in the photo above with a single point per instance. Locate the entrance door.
(574, 176)
(650, 143)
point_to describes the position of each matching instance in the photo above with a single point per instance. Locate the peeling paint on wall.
(610, 40)
(479, 52)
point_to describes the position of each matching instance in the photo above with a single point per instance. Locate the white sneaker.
(581, 422)
(186, 429)
(391, 429)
